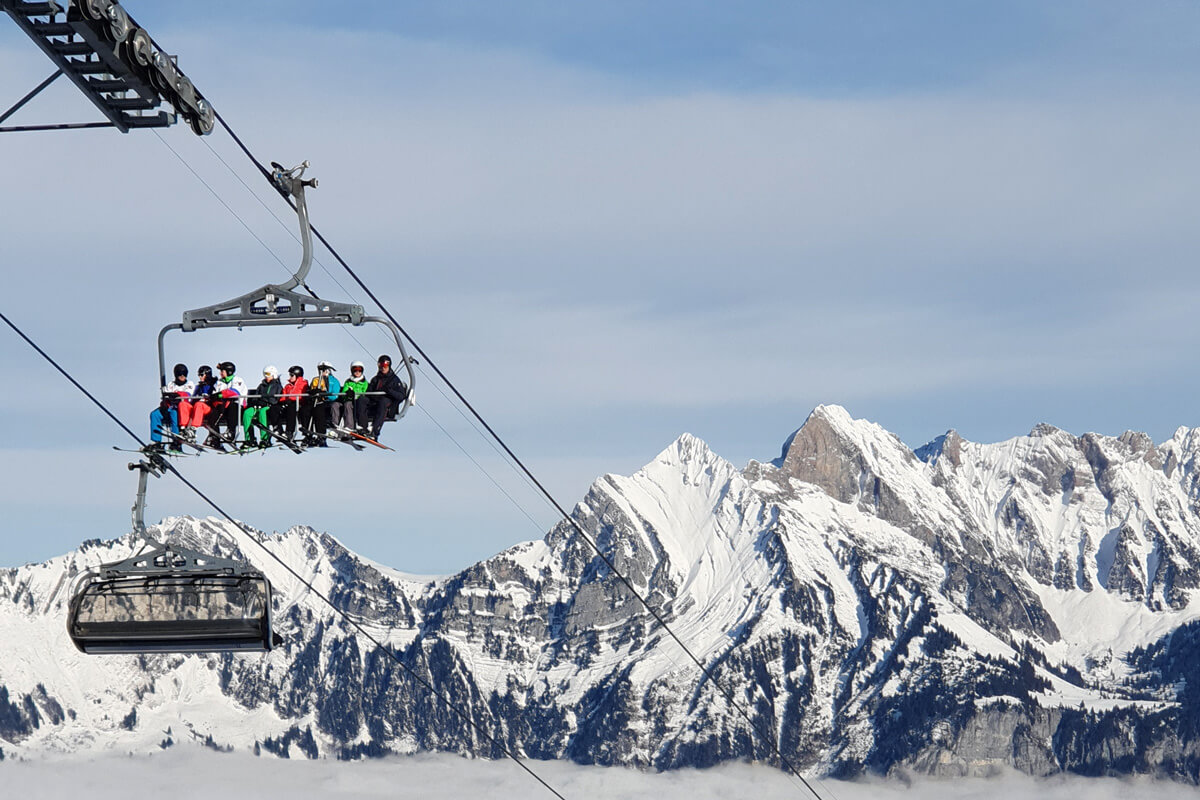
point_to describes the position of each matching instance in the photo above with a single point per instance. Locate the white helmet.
(271, 371)
(325, 365)
(358, 364)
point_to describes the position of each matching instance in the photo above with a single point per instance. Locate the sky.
(423, 776)
(608, 225)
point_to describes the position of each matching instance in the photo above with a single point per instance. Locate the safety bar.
(267, 322)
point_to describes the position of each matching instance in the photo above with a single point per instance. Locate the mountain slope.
(1031, 603)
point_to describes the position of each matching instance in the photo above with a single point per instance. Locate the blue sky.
(821, 49)
(611, 224)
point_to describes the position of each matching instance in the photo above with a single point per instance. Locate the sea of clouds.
(204, 774)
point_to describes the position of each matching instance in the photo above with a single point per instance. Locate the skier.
(164, 421)
(352, 402)
(201, 403)
(173, 407)
(262, 410)
(294, 403)
(324, 389)
(229, 393)
(182, 389)
(384, 406)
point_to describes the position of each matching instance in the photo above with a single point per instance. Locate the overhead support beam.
(61, 126)
(17, 105)
(113, 61)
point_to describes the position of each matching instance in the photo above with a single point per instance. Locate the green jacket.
(358, 387)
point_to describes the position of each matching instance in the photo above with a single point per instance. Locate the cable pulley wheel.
(119, 24)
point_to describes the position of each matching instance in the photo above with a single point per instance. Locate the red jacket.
(292, 391)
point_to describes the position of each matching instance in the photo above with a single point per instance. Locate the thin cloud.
(583, 252)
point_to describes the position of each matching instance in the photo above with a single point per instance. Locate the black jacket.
(391, 385)
(268, 392)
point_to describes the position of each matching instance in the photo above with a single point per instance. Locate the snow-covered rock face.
(1030, 603)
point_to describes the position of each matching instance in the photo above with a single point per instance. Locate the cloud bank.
(197, 774)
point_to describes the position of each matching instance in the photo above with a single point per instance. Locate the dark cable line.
(221, 200)
(67, 375)
(544, 491)
(251, 535)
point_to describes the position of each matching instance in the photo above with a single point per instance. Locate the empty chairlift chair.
(170, 599)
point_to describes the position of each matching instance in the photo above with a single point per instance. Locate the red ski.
(366, 439)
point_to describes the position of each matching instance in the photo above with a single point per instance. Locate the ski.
(341, 438)
(216, 434)
(368, 439)
(180, 439)
(287, 442)
(245, 449)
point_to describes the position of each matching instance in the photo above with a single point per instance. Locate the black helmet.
(205, 371)
(296, 370)
(227, 366)
(180, 369)
(385, 360)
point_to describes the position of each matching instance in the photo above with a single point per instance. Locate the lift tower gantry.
(113, 61)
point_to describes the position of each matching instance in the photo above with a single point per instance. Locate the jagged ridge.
(950, 609)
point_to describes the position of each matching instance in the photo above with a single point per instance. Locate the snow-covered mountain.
(1031, 603)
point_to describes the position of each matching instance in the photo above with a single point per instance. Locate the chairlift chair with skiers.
(283, 304)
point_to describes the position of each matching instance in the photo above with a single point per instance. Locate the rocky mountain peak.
(1044, 429)
(833, 451)
(947, 446)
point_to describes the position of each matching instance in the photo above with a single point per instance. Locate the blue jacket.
(331, 391)
(203, 389)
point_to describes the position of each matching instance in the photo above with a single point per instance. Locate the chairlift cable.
(221, 200)
(493, 740)
(495, 483)
(658, 617)
(541, 529)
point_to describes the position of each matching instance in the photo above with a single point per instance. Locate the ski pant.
(194, 416)
(259, 420)
(318, 419)
(225, 411)
(378, 411)
(295, 412)
(160, 421)
(185, 412)
(341, 412)
(359, 414)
